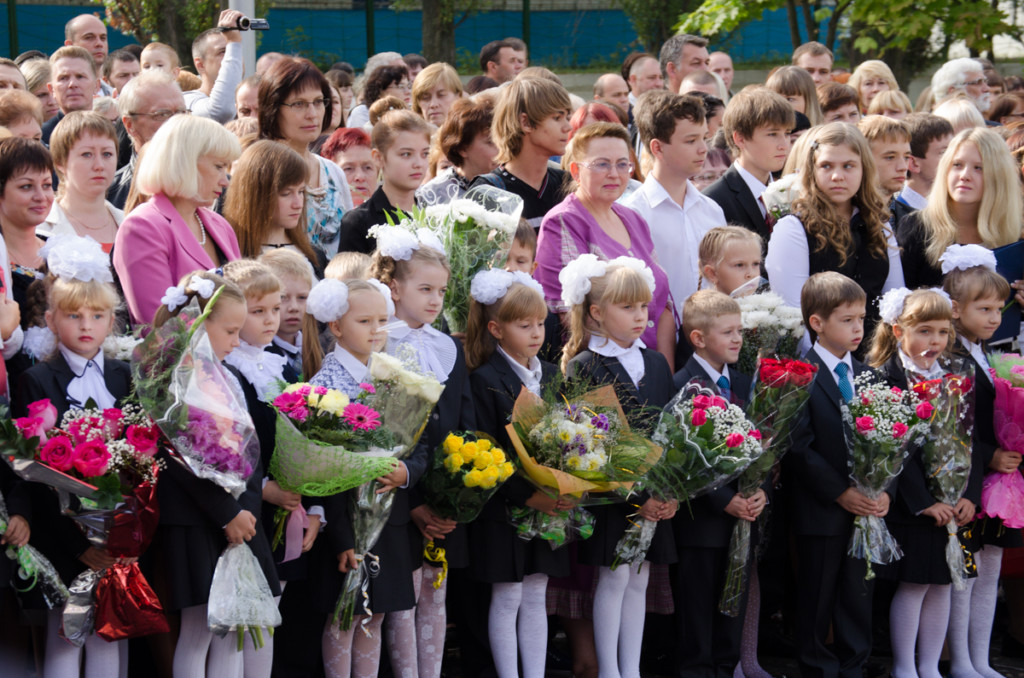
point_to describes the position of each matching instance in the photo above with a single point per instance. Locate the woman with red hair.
(349, 148)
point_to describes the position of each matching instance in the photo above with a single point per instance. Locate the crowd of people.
(653, 194)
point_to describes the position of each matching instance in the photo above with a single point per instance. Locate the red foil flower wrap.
(126, 606)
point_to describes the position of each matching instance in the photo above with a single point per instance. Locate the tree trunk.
(794, 24)
(171, 29)
(809, 22)
(439, 31)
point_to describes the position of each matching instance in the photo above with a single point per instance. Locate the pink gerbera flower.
(361, 418)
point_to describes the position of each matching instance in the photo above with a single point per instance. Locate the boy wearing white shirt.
(929, 137)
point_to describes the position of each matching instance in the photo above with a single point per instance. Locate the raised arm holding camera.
(217, 54)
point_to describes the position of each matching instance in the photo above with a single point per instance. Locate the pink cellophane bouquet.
(1002, 494)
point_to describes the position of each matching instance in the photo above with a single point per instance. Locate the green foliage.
(653, 21)
(714, 17)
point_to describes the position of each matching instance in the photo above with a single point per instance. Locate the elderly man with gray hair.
(680, 55)
(962, 76)
(145, 104)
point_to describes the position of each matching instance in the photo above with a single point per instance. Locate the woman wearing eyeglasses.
(294, 108)
(589, 220)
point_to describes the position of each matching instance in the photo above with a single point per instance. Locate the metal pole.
(526, 22)
(370, 49)
(247, 8)
(12, 27)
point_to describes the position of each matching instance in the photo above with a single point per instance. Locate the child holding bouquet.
(978, 295)
(198, 518)
(354, 311)
(915, 332)
(833, 590)
(709, 640)
(82, 301)
(609, 303)
(416, 270)
(505, 333)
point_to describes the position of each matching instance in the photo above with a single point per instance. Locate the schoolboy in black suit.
(708, 641)
(756, 123)
(832, 591)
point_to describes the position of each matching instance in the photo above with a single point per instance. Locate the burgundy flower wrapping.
(126, 606)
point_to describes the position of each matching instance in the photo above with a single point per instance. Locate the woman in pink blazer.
(185, 169)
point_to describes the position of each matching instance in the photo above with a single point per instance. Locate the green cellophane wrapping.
(315, 469)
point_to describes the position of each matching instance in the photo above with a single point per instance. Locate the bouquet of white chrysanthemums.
(768, 323)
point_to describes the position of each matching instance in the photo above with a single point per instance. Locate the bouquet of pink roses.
(1002, 494)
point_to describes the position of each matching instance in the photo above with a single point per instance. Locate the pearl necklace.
(202, 229)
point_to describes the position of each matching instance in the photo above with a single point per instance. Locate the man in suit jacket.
(757, 123)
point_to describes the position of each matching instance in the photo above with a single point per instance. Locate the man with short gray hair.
(145, 104)
(680, 55)
(962, 76)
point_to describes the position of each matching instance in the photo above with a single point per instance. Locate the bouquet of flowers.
(768, 325)
(780, 394)
(201, 410)
(708, 442)
(574, 447)
(879, 423)
(1002, 494)
(404, 398)
(778, 197)
(463, 475)
(325, 443)
(946, 452)
(477, 232)
(107, 458)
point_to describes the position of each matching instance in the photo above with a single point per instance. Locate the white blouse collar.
(436, 350)
(631, 358)
(530, 376)
(355, 368)
(88, 381)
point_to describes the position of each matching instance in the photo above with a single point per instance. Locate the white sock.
(959, 626)
(501, 627)
(631, 631)
(932, 630)
(259, 663)
(608, 597)
(533, 625)
(904, 620)
(983, 608)
(199, 652)
(431, 622)
(102, 659)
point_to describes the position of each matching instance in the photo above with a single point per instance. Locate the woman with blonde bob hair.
(839, 222)
(976, 199)
(434, 91)
(870, 78)
(797, 87)
(185, 170)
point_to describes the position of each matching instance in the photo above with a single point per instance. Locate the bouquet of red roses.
(107, 458)
(780, 393)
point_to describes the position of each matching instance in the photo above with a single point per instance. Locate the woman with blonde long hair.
(976, 199)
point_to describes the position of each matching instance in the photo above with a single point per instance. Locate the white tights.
(416, 637)
(102, 659)
(199, 652)
(517, 625)
(259, 663)
(970, 621)
(352, 654)
(620, 602)
(919, 612)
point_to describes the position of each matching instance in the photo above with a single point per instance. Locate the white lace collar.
(910, 367)
(261, 368)
(436, 350)
(631, 358)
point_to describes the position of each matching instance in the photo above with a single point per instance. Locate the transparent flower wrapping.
(196, 403)
(769, 325)
(781, 392)
(477, 232)
(240, 598)
(879, 423)
(946, 450)
(33, 568)
(708, 443)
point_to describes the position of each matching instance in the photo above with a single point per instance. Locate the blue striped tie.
(845, 387)
(723, 386)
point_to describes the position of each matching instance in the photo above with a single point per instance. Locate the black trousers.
(708, 642)
(832, 591)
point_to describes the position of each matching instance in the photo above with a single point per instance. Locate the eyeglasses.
(606, 167)
(708, 177)
(163, 115)
(305, 105)
(405, 86)
(975, 83)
